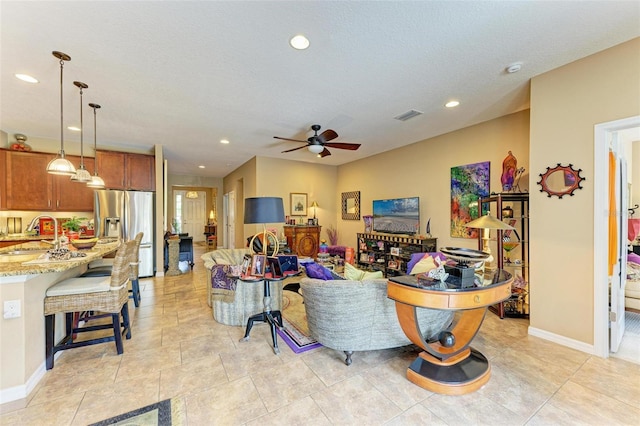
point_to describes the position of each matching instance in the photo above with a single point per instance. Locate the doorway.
(606, 136)
(190, 213)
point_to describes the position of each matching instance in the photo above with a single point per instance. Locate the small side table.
(449, 365)
(273, 318)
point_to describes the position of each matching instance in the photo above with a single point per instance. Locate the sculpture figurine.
(509, 167)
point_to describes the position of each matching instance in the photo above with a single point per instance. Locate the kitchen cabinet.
(28, 186)
(3, 180)
(126, 171)
(303, 240)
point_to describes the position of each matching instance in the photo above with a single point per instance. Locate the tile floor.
(179, 351)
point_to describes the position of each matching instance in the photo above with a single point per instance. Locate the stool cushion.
(99, 263)
(102, 271)
(80, 286)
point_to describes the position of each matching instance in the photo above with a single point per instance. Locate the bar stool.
(90, 294)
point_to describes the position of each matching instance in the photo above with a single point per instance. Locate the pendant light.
(82, 175)
(60, 165)
(96, 181)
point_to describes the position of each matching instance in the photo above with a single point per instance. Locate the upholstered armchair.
(232, 300)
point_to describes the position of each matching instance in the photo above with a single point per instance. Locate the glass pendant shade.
(96, 181)
(81, 175)
(60, 165)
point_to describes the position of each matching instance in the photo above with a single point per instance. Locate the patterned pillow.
(424, 265)
(354, 274)
(417, 257)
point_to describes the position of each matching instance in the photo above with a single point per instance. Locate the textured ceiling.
(187, 74)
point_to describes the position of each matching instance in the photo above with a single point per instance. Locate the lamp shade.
(488, 222)
(263, 210)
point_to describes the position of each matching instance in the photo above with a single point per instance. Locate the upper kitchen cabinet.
(3, 180)
(121, 170)
(28, 186)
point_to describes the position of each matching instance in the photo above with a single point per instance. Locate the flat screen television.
(397, 216)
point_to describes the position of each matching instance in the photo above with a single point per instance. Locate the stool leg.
(117, 334)
(49, 335)
(126, 322)
(135, 287)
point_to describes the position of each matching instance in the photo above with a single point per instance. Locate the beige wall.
(281, 177)
(423, 169)
(566, 103)
(243, 181)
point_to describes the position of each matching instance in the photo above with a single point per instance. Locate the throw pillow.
(632, 257)
(354, 274)
(317, 271)
(423, 266)
(417, 257)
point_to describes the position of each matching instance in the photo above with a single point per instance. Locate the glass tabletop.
(452, 283)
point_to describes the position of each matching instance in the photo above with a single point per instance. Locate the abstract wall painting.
(468, 184)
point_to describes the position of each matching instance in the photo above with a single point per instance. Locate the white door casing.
(191, 213)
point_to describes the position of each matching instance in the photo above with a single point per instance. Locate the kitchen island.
(25, 282)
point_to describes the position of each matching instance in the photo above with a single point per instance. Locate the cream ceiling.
(187, 74)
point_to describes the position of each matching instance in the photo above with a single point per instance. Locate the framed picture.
(298, 204)
(395, 251)
(274, 265)
(364, 257)
(393, 264)
(246, 263)
(288, 263)
(258, 263)
(351, 205)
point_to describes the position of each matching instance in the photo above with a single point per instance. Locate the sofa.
(348, 315)
(232, 300)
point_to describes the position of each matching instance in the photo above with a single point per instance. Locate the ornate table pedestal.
(448, 365)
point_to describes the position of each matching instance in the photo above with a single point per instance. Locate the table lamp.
(264, 210)
(486, 223)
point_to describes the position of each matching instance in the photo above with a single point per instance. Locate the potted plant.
(73, 227)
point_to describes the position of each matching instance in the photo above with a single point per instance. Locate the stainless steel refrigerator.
(123, 214)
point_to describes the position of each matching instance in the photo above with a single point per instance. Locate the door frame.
(602, 133)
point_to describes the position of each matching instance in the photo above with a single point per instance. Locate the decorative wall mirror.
(560, 180)
(351, 205)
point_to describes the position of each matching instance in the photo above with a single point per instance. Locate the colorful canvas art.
(468, 184)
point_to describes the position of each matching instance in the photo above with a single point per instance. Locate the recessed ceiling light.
(201, 166)
(27, 78)
(74, 128)
(452, 104)
(224, 141)
(299, 42)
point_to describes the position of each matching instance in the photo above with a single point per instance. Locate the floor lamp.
(264, 210)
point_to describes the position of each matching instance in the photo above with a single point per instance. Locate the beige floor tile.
(355, 401)
(113, 399)
(613, 377)
(592, 408)
(471, 409)
(144, 362)
(60, 411)
(416, 415)
(232, 403)
(329, 366)
(390, 378)
(285, 383)
(192, 377)
(303, 411)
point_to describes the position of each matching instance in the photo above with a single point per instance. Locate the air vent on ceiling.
(409, 114)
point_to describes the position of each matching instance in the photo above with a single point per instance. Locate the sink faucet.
(56, 242)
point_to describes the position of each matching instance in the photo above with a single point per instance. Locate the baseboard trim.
(562, 340)
(22, 391)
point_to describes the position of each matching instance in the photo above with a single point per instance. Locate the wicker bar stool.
(103, 267)
(90, 294)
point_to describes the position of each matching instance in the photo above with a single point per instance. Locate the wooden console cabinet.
(303, 240)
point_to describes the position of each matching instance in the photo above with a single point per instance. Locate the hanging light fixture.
(82, 175)
(96, 181)
(60, 165)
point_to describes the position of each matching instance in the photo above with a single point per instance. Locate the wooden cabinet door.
(3, 180)
(73, 196)
(112, 168)
(29, 186)
(140, 172)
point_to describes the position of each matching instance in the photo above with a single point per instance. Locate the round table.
(448, 364)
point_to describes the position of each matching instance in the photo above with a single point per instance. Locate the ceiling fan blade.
(287, 139)
(328, 135)
(324, 153)
(343, 145)
(295, 149)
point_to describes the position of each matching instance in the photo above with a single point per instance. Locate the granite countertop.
(25, 237)
(20, 268)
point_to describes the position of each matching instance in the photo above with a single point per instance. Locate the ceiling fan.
(318, 143)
